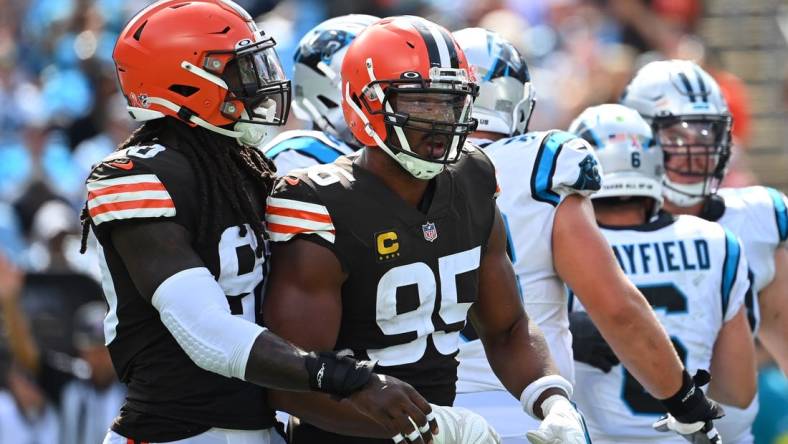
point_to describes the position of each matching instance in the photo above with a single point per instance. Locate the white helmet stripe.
(437, 50)
(216, 80)
(403, 141)
(443, 48)
(238, 9)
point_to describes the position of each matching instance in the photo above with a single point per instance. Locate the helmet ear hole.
(183, 90)
(138, 32)
(355, 100)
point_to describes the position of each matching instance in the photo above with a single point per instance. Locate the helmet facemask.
(696, 150)
(427, 120)
(258, 92)
(507, 97)
(506, 94)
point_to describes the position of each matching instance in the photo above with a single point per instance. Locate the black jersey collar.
(662, 220)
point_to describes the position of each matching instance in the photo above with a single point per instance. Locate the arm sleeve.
(202, 324)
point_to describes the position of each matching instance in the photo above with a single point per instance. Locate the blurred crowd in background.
(60, 112)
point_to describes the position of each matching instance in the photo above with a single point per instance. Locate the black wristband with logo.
(690, 404)
(337, 375)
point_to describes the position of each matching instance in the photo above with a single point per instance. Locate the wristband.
(686, 400)
(335, 375)
(535, 389)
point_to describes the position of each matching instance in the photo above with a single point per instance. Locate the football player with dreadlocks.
(545, 177)
(177, 211)
(386, 252)
(691, 121)
(692, 271)
(316, 85)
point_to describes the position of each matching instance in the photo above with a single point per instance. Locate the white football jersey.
(759, 217)
(302, 148)
(694, 274)
(535, 172)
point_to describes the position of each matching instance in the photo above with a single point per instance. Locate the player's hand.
(690, 412)
(588, 345)
(697, 432)
(562, 424)
(461, 426)
(398, 407)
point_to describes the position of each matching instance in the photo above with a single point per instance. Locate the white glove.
(697, 432)
(457, 425)
(562, 424)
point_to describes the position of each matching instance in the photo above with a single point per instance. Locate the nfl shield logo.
(430, 232)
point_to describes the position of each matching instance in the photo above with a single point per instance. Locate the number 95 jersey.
(411, 275)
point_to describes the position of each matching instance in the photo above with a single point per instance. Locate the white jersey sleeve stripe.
(296, 205)
(125, 197)
(299, 223)
(282, 236)
(133, 213)
(125, 180)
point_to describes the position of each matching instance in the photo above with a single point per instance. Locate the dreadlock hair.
(220, 165)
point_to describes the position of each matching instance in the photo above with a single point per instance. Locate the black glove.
(690, 412)
(588, 345)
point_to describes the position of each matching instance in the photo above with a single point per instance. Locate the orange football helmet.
(394, 60)
(206, 63)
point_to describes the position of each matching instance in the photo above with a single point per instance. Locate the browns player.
(178, 212)
(384, 252)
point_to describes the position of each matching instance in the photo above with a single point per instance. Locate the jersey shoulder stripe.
(730, 268)
(780, 213)
(546, 161)
(128, 197)
(286, 218)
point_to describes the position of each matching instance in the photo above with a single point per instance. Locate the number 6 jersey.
(412, 275)
(694, 275)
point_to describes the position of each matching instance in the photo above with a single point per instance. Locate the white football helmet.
(691, 122)
(630, 161)
(506, 95)
(317, 75)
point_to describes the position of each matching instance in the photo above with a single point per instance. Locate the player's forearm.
(774, 311)
(275, 363)
(733, 363)
(639, 341)
(519, 355)
(774, 336)
(327, 414)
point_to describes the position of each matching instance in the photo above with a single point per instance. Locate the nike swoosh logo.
(292, 181)
(123, 165)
